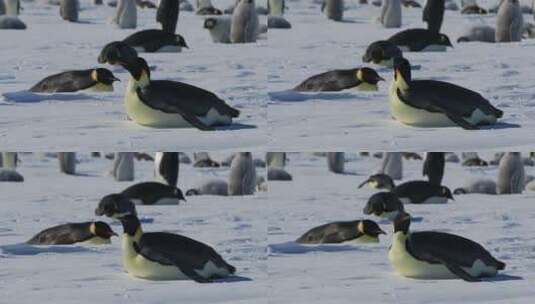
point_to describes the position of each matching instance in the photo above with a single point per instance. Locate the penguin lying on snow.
(384, 204)
(438, 255)
(151, 41)
(154, 193)
(359, 231)
(97, 233)
(99, 80)
(210, 187)
(431, 103)
(379, 181)
(161, 255)
(483, 33)
(278, 22)
(362, 79)
(473, 9)
(382, 53)
(163, 103)
(422, 192)
(11, 23)
(421, 40)
(483, 186)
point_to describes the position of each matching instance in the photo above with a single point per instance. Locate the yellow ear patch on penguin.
(359, 75)
(94, 75)
(360, 227)
(93, 229)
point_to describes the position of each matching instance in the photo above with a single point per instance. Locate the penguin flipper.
(461, 122)
(461, 273)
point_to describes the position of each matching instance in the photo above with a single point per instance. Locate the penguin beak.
(379, 78)
(381, 231)
(364, 183)
(115, 79)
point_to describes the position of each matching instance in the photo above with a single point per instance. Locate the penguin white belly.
(436, 200)
(97, 241)
(413, 116)
(429, 48)
(366, 87)
(406, 265)
(362, 240)
(478, 117)
(100, 87)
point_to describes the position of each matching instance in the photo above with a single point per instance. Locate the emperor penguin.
(123, 166)
(209, 187)
(278, 174)
(97, 80)
(96, 233)
(392, 165)
(509, 22)
(335, 162)
(434, 167)
(422, 192)
(278, 22)
(384, 204)
(219, 28)
(391, 14)
(276, 159)
(9, 160)
(361, 79)
(205, 7)
(244, 25)
(431, 103)
(153, 40)
(161, 255)
(2, 8)
(333, 9)
(379, 181)
(358, 231)
(276, 7)
(510, 174)
(153, 193)
(12, 7)
(242, 178)
(10, 175)
(482, 33)
(162, 103)
(166, 167)
(473, 9)
(382, 53)
(483, 186)
(438, 255)
(433, 14)
(126, 15)
(421, 40)
(69, 10)
(167, 15)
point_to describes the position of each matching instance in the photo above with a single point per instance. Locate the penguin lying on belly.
(151, 41)
(382, 53)
(161, 255)
(154, 193)
(421, 40)
(99, 80)
(360, 231)
(431, 103)
(422, 192)
(385, 205)
(96, 233)
(362, 79)
(438, 255)
(163, 103)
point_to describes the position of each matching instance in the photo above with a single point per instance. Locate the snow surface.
(503, 73)
(94, 274)
(97, 121)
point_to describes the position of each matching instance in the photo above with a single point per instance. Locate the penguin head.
(446, 192)
(368, 75)
(402, 72)
(103, 76)
(459, 191)
(370, 228)
(402, 222)
(210, 23)
(378, 203)
(444, 40)
(379, 181)
(116, 206)
(102, 230)
(181, 41)
(117, 52)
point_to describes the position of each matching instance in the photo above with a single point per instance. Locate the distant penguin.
(167, 15)
(219, 28)
(422, 192)
(383, 53)
(434, 167)
(203, 160)
(335, 162)
(278, 22)
(452, 158)
(151, 41)
(482, 186)
(384, 204)
(154, 193)
(473, 9)
(242, 178)
(123, 166)
(166, 167)
(244, 26)
(185, 6)
(205, 7)
(9, 160)
(9, 175)
(509, 24)
(433, 14)
(392, 165)
(69, 10)
(333, 9)
(96, 233)
(379, 181)
(2, 8)
(420, 40)
(451, 5)
(482, 33)
(359, 231)
(276, 7)
(97, 80)
(12, 7)
(67, 162)
(278, 174)
(209, 187)
(391, 14)
(474, 162)
(126, 16)
(510, 174)
(361, 79)
(276, 159)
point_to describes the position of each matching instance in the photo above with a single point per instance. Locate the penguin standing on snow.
(276, 7)
(333, 9)
(509, 21)
(362, 79)
(359, 231)
(126, 15)
(431, 103)
(438, 255)
(422, 192)
(161, 255)
(12, 7)
(165, 104)
(391, 14)
(383, 53)
(392, 165)
(98, 80)
(434, 167)
(167, 15)
(510, 174)
(69, 10)
(96, 233)
(433, 14)
(166, 167)
(242, 178)
(244, 26)
(335, 162)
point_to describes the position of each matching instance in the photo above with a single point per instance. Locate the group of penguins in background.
(424, 254)
(156, 255)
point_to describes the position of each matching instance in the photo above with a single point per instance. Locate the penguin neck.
(399, 239)
(401, 83)
(132, 227)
